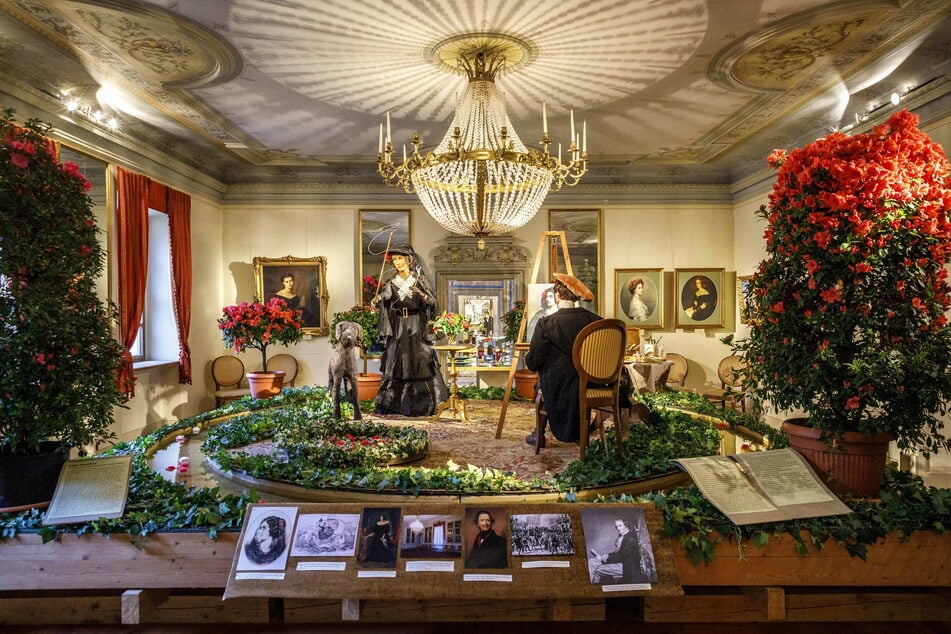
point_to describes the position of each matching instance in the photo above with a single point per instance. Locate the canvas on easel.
(555, 239)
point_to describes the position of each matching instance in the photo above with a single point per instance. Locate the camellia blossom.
(853, 289)
(256, 325)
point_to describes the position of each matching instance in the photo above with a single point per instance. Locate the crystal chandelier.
(481, 179)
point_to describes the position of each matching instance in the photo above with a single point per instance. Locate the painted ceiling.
(673, 91)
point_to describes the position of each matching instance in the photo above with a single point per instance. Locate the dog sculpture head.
(349, 334)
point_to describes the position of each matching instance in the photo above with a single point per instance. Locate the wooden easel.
(520, 344)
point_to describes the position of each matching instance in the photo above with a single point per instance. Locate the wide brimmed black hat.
(401, 249)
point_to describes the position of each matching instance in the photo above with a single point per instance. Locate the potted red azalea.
(849, 305)
(258, 325)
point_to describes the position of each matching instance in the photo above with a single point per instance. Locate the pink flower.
(19, 160)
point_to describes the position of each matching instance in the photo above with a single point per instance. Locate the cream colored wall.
(636, 235)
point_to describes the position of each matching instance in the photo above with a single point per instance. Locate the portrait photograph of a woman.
(267, 535)
(639, 297)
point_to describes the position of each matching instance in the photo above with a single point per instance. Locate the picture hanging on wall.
(639, 297)
(379, 227)
(699, 298)
(582, 229)
(301, 282)
(744, 299)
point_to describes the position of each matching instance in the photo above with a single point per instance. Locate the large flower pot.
(368, 385)
(855, 466)
(265, 384)
(525, 381)
(27, 480)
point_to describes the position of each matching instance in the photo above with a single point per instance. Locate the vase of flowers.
(451, 325)
(849, 306)
(256, 325)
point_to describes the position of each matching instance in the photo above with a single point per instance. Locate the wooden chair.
(227, 372)
(284, 363)
(598, 357)
(731, 390)
(677, 376)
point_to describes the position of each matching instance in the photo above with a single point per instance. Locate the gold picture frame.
(583, 235)
(700, 297)
(309, 286)
(744, 299)
(377, 227)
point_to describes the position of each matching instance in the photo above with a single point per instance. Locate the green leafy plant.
(512, 319)
(361, 314)
(58, 357)
(451, 324)
(256, 325)
(850, 302)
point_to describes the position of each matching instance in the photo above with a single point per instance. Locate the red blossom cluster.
(255, 325)
(349, 441)
(850, 302)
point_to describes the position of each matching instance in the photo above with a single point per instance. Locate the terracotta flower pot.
(525, 381)
(265, 384)
(855, 466)
(368, 385)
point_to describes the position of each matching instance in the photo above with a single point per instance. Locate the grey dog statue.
(343, 367)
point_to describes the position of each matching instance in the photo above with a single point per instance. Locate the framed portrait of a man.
(699, 298)
(639, 297)
(301, 282)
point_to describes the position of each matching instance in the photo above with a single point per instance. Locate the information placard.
(90, 489)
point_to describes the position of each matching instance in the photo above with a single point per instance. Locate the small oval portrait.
(638, 297)
(699, 298)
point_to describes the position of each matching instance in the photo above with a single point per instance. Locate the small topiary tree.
(58, 357)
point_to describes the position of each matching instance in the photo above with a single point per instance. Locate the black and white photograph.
(431, 537)
(326, 535)
(379, 535)
(541, 534)
(266, 538)
(619, 546)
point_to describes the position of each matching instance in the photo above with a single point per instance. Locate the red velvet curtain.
(132, 214)
(179, 220)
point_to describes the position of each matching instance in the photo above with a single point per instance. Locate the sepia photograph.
(330, 535)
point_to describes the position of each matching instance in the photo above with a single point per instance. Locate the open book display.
(762, 486)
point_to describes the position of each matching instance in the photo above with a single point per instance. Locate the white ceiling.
(294, 90)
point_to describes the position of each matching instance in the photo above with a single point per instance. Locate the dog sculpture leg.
(354, 396)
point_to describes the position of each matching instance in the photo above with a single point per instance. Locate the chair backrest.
(678, 371)
(227, 370)
(285, 363)
(598, 351)
(727, 368)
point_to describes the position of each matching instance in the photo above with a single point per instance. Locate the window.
(157, 341)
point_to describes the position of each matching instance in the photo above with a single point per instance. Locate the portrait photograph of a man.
(619, 547)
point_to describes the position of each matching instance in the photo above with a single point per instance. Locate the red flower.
(19, 160)
(831, 295)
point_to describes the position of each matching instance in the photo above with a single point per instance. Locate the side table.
(455, 405)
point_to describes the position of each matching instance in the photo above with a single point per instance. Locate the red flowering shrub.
(257, 325)
(850, 302)
(58, 356)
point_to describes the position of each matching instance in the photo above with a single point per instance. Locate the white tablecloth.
(647, 375)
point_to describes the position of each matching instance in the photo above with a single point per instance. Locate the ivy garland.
(155, 504)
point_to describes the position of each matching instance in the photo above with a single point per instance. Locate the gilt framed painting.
(301, 282)
(699, 298)
(639, 297)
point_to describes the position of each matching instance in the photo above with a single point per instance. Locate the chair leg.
(618, 431)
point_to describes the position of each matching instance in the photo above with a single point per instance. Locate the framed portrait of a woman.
(301, 282)
(700, 297)
(639, 297)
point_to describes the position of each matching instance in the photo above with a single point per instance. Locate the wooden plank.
(61, 610)
(893, 561)
(771, 601)
(164, 560)
(714, 608)
(350, 610)
(137, 605)
(885, 605)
